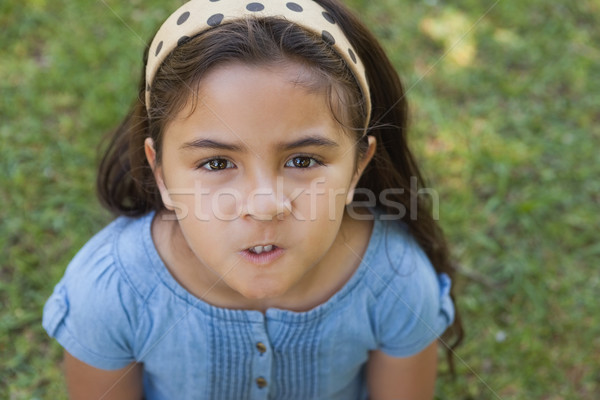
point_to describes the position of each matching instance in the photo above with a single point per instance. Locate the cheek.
(222, 204)
(192, 196)
(324, 197)
(206, 239)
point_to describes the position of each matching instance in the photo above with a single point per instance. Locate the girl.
(270, 242)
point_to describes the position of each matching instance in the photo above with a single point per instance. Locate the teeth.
(260, 249)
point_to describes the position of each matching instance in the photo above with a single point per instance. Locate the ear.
(157, 172)
(362, 164)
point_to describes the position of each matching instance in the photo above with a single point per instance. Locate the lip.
(264, 257)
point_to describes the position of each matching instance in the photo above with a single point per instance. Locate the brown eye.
(217, 164)
(301, 162)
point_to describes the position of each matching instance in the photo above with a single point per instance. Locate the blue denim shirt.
(117, 303)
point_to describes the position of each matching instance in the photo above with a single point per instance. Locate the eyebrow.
(316, 141)
(212, 144)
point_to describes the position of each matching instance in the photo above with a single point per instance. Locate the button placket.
(262, 362)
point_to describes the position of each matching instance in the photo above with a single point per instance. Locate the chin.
(262, 292)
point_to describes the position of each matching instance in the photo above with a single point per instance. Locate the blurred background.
(505, 111)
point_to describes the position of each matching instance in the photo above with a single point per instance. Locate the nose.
(267, 201)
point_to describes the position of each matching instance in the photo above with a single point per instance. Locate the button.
(261, 347)
(261, 382)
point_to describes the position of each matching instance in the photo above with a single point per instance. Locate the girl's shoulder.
(118, 251)
(393, 254)
(94, 309)
(412, 304)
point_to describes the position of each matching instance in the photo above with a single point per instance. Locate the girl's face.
(260, 161)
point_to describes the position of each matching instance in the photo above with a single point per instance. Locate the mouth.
(261, 249)
(262, 254)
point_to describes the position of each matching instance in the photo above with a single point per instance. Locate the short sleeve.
(415, 308)
(92, 311)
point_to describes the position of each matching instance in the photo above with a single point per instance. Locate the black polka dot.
(254, 7)
(215, 20)
(328, 38)
(182, 40)
(213, 1)
(158, 48)
(183, 17)
(294, 7)
(328, 17)
(352, 56)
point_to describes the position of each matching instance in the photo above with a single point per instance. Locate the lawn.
(505, 119)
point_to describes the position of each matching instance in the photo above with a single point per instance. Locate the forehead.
(263, 77)
(259, 101)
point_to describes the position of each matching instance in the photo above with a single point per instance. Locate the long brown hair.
(126, 185)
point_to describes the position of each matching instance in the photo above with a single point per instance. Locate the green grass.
(505, 119)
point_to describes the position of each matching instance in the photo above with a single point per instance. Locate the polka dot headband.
(196, 16)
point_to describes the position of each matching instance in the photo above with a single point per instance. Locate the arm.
(87, 382)
(410, 378)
